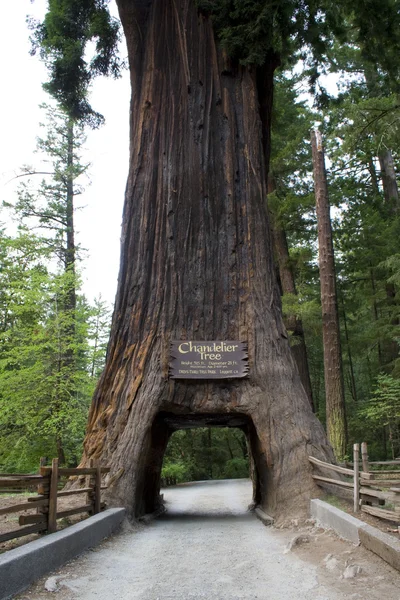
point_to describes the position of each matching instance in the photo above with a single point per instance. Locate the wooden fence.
(44, 503)
(374, 486)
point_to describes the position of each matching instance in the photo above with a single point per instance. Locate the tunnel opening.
(230, 449)
(205, 453)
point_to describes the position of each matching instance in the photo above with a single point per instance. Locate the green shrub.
(175, 470)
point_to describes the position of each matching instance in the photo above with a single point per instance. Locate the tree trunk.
(228, 443)
(334, 388)
(390, 348)
(70, 249)
(196, 264)
(375, 311)
(208, 444)
(374, 176)
(60, 450)
(288, 286)
(389, 182)
(352, 383)
(66, 384)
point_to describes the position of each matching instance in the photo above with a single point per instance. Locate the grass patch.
(17, 495)
(336, 502)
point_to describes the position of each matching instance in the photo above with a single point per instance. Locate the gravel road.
(208, 546)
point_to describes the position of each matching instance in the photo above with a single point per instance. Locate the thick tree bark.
(334, 388)
(196, 264)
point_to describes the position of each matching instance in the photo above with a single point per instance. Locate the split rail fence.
(376, 488)
(47, 485)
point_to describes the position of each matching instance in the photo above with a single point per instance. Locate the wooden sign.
(208, 360)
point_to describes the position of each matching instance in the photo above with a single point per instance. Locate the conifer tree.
(54, 361)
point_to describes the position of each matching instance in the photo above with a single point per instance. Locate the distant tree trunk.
(60, 450)
(228, 443)
(375, 311)
(334, 389)
(384, 443)
(389, 182)
(209, 452)
(373, 174)
(288, 286)
(68, 322)
(197, 264)
(390, 348)
(244, 444)
(95, 344)
(352, 386)
(69, 299)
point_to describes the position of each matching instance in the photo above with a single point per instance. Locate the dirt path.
(209, 547)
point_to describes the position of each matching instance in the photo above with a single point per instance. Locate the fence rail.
(47, 484)
(372, 488)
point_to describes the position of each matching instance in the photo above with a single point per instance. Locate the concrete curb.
(22, 566)
(357, 532)
(266, 519)
(330, 517)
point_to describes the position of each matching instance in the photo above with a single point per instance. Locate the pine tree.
(48, 366)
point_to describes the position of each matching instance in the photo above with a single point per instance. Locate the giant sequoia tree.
(196, 257)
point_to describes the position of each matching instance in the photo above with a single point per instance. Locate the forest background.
(53, 340)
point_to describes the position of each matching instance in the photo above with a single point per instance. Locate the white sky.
(98, 223)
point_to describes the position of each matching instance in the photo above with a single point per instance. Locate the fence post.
(91, 483)
(97, 490)
(356, 458)
(43, 489)
(364, 456)
(52, 516)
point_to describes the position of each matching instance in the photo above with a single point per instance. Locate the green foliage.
(43, 398)
(253, 30)
(62, 40)
(379, 36)
(178, 471)
(383, 410)
(40, 395)
(99, 320)
(52, 343)
(360, 126)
